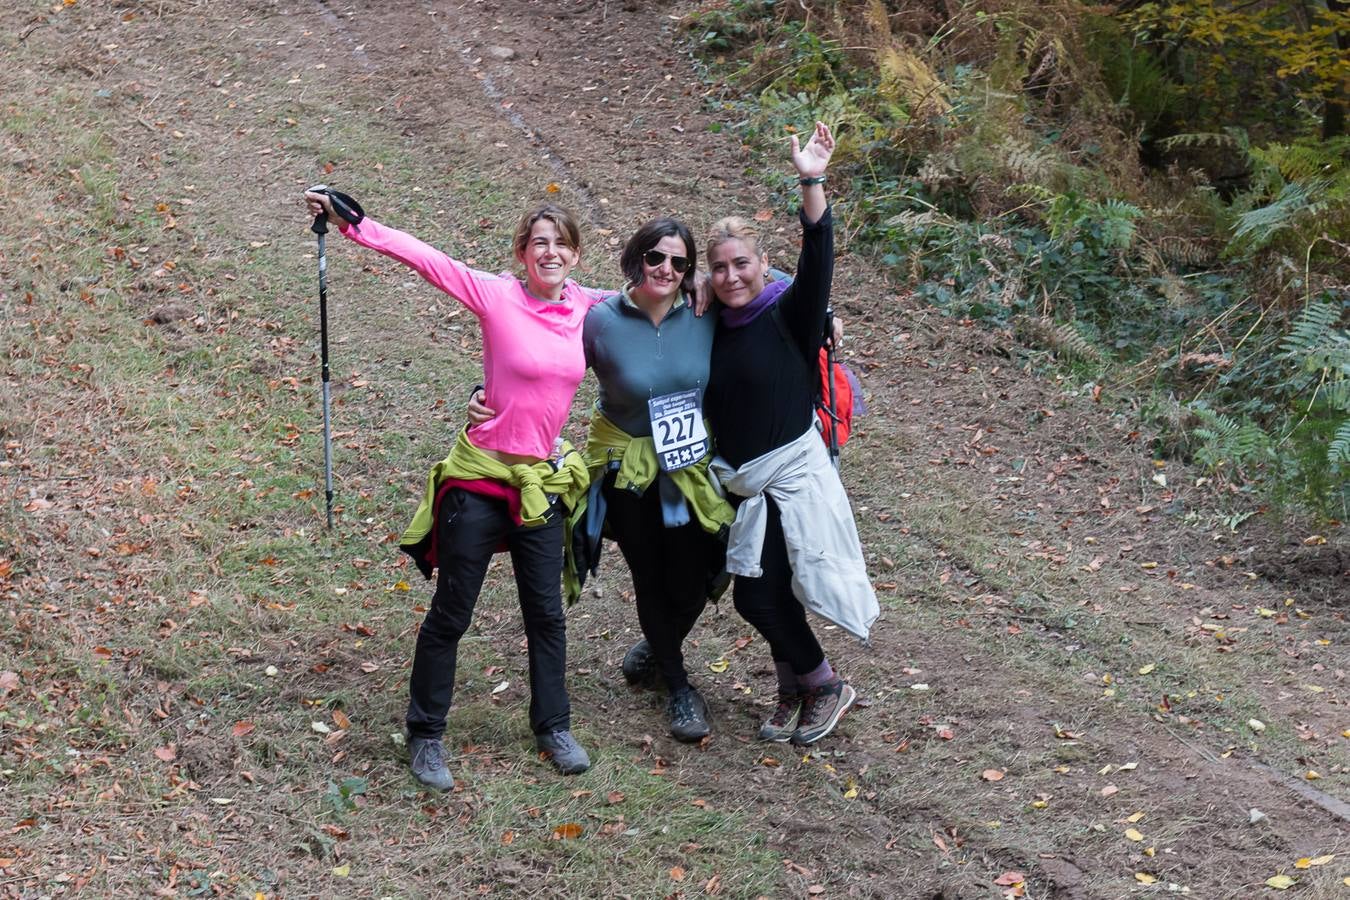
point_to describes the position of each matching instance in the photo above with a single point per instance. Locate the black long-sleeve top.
(761, 387)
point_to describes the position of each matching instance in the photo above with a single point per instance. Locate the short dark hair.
(647, 237)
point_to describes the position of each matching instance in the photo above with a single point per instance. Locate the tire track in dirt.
(496, 97)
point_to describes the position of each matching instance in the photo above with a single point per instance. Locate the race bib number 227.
(677, 430)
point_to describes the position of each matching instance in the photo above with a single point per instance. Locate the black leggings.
(768, 604)
(671, 569)
(468, 530)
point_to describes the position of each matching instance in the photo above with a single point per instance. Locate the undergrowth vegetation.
(1025, 165)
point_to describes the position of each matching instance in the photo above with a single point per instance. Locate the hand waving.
(812, 159)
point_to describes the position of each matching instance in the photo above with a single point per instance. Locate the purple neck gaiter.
(737, 318)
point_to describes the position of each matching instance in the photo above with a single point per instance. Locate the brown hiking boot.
(780, 726)
(822, 708)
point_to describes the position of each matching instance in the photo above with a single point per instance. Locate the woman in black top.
(759, 402)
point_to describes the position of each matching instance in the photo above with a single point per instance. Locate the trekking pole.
(829, 378)
(320, 228)
(350, 211)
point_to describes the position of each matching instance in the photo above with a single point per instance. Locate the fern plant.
(1297, 192)
(1319, 346)
(1226, 441)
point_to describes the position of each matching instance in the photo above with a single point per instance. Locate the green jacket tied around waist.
(564, 476)
(638, 468)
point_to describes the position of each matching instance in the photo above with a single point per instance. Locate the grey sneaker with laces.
(688, 715)
(564, 751)
(427, 761)
(822, 708)
(780, 726)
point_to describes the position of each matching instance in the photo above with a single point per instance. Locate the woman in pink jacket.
(497, 479)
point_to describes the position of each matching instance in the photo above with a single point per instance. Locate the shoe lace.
(815, 704)
(563, 742)
(430, 756)
(682, 706)
(787, 705)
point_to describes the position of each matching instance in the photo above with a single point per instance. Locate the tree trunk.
(1334, 100)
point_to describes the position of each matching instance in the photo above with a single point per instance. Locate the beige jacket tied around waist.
(829, 575)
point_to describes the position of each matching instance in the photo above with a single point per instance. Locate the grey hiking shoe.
(427, 761)
(639, 666)
(688, 715)
(780, 726)
(564, 751)
(822, 709)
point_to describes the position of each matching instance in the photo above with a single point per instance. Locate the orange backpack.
(845, 401)
(842, 420)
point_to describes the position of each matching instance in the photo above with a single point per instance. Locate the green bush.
(998, 198)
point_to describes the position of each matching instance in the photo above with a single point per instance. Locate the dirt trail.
(1063, 645)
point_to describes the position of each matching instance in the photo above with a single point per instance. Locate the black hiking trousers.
(768, 604)
(469, 529)
(671, 569)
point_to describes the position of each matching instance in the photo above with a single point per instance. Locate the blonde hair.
(561, 218)
(732, 228)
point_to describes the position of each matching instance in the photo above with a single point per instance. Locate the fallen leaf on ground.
(340, 719)
(1010, 878)
(242, 728)
(1144, 670)
(1145, 878)
(167, 753)
(676, 873)
(567, 831)
(1133, 834)
(992, 775)
(1280, 882)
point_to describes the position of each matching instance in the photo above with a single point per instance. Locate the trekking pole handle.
(345, 207)
(320, 225)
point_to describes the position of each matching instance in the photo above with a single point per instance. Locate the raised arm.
(811, 162)
(469, 286)
(803, 306)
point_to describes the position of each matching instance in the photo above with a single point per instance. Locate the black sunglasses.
(654, 258)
